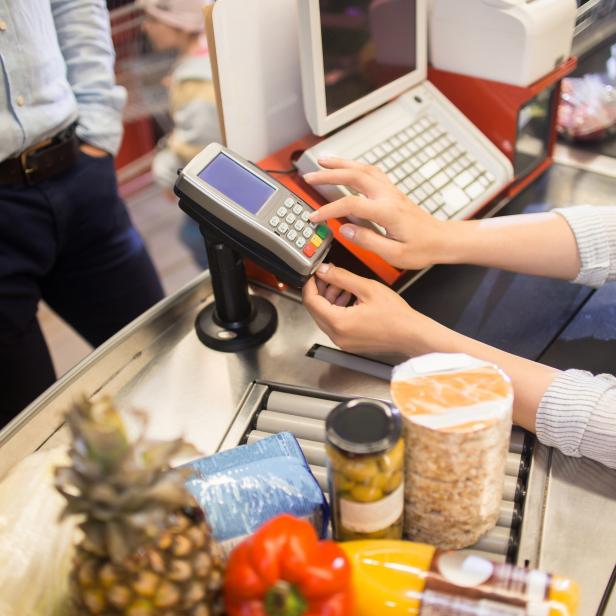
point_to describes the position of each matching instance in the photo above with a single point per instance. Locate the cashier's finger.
(335, 162)
(343, 279)
(355, 206)
(354, 178)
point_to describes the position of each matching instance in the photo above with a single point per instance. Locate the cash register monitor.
(357, 55)
(364, 65)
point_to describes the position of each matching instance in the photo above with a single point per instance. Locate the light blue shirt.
(56, 63)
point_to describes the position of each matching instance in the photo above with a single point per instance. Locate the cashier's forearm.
(538, 244)
(530, 379)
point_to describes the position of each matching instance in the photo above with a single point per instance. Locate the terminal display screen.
(366, 45)
(237, 183)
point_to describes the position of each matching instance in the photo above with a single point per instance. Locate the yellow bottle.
(404, 578)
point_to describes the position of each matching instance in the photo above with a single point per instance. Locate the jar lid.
(363, 426)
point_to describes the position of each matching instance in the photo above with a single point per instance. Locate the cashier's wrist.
(454, 245)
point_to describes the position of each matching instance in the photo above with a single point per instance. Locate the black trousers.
(69, 241)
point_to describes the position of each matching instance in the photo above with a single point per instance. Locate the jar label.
(371, 517)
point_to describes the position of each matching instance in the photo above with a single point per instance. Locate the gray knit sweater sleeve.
(577, 413)
(594, 228)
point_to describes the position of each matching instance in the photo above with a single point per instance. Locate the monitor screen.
(366, 45)
(237, 183)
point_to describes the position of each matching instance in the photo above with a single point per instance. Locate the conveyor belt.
(303, 414)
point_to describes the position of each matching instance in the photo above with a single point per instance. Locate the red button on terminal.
(309, 249)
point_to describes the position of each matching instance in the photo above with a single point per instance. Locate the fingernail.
(323, 268)
(307, 176)
(348, 231)
(312, 216)
(325, 159)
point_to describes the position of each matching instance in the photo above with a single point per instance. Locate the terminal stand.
(234, 321)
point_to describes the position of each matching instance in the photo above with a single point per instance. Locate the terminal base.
(232, 337)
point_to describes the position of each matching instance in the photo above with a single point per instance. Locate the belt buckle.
(25, 167)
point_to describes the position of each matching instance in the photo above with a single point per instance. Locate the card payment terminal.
(254, 214)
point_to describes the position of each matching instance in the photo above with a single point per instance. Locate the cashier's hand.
(415, 239)
(379, 320)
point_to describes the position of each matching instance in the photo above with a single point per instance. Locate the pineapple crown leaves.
(126, 490)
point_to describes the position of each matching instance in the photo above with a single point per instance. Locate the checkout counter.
(558, 513)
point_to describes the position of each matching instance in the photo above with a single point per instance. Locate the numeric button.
(283, 227)
(305, 215)
(290, 219)
(299, 225)
(297, 209)
(274, 221)
(282, 212)
(291, 235)
(289, 201)
(307, 232)
(301, 242)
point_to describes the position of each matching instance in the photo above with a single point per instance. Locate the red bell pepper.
(284, 570)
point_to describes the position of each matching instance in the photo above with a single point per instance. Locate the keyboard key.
(409, 185)
(430, 205)
(389, 163)
(307, 232)
(282, 212)
(283, 227)
(379, 151)
(417, 177)
(274, 221)
(440, 180)
(423, 157)
(399, 173)
(290, 219)
(395, 141)
(464, 179)
(305, 215)
(392, 177)
(420, 194)
(406, 153)
(301, 242)
(289, 201)
(421, 142)
(430, 151)
(381, 165)
(299, 225)
(429, 169)
(484, 180)
(450, 173)
(474, 190)
(371, 158)
(292, 234)
(440, 214)
(397, 157)
(316, 241)
(455, 199)
(298, 209)
(407, 167)
(387, 147)
(490, 177)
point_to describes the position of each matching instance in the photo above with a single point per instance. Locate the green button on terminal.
(322, 231)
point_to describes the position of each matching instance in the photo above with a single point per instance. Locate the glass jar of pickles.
(365, 463)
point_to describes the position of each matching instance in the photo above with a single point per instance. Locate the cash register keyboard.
(427, 163)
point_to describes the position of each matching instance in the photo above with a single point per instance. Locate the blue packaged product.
(241, 488)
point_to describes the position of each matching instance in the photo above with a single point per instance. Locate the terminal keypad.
(293, 223)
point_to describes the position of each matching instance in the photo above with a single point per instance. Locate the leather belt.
(41, 161)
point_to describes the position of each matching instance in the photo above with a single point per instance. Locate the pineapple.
(146, 547)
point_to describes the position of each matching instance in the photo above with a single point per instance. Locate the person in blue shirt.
(65, 234)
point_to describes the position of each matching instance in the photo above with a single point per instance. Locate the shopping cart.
(141, 70)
